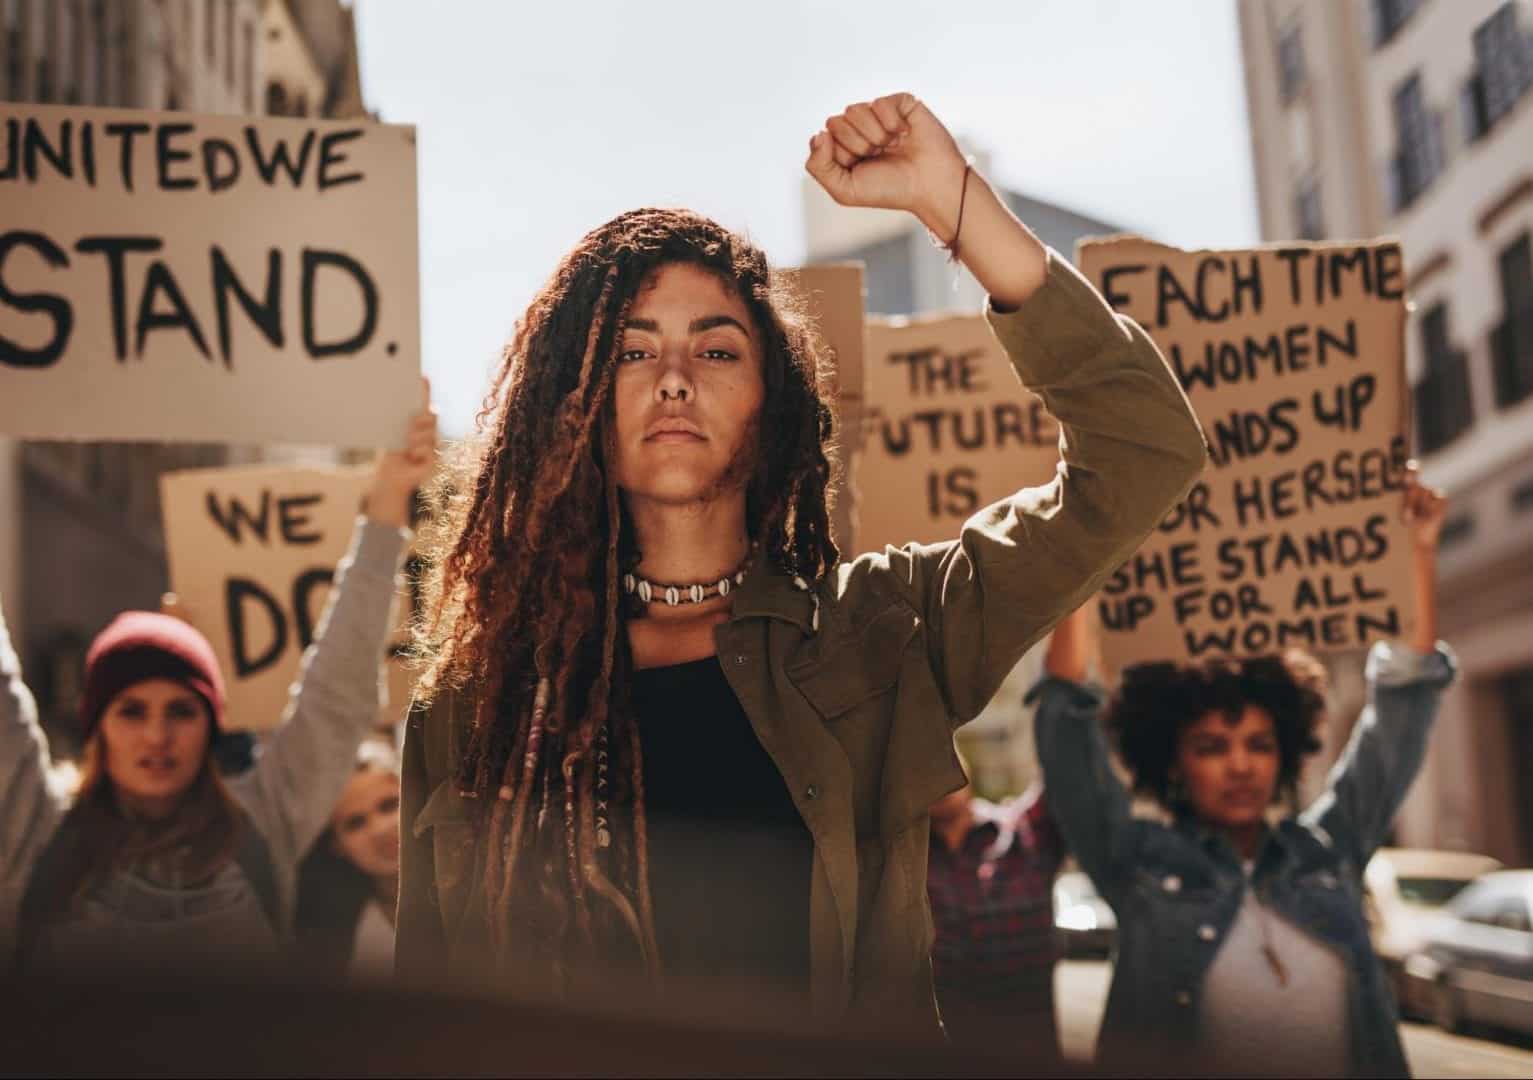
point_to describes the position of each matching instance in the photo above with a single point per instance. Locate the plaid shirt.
(992, 903)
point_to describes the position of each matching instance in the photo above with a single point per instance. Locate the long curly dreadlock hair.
(527, 549)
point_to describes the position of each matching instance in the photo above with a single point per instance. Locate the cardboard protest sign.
(252, 556)
(167, 276)
(1294, 360)
(948, 428)
(834, 294)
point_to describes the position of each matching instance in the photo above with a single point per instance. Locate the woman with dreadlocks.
(662, 727)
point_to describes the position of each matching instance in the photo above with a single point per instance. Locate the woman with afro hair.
(666, 737)
(1242, 944)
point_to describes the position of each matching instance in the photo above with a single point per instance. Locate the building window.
(1418, 145)
(247, 76)
(276, 99)
(1503, 58)
(101, 41)
(127, 66)
(1389, 16)
(65, 37)
(1291, 73)
(1522, 497)
(172, 85)
(1511, 341)
(10, 31)
(1456, 530)
(1311, 219)
(1444, 409)
(210, 30)
(231, 27)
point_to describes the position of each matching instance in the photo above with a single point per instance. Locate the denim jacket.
(1176, 889)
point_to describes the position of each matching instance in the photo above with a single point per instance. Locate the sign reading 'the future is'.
(947, 429)
(170, 276)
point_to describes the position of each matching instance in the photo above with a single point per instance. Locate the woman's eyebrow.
(696, 326)
(709, 322)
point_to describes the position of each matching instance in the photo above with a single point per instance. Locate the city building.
(905, 273)
(1414, 118)
(80, 533)
(310, 55)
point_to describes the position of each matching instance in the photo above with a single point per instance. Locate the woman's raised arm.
(30, 807)
(334, 702)
(1130, 445)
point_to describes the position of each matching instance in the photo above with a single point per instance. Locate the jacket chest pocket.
(1325, 903)
(857, 665)
(447, 816)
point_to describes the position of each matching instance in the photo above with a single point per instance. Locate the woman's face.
(155, 738)
(689, 389)
(366, 822)
(1229, 769)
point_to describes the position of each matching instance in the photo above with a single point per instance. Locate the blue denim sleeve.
(1085, 797)
(1371, 778)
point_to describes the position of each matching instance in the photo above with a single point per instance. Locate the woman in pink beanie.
(157, 858)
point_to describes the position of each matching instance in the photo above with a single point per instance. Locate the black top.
(729, 855)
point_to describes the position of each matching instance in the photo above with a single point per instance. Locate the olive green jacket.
(913, 641)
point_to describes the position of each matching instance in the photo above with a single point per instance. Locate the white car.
(1407, 889)
(1083, 922)
(1479, 956)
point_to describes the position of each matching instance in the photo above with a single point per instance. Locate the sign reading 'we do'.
(1293, 358)
(252, 555)
(176, 277)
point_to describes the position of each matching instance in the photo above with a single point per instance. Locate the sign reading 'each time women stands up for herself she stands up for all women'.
(1294, 360)
(170, 276)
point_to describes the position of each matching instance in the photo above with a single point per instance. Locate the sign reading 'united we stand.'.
(177, 277)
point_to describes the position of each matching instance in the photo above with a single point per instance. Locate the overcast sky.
(540, 121)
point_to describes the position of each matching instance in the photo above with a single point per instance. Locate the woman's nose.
(675, 383)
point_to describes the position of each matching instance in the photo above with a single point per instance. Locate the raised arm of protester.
(305, 763)
(1241, 935)
(1405, 683)
(1087, 799)
(30, 806)
(1129, 441)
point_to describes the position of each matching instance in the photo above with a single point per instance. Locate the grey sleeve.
(1374, 773)
(30, 806)
(305, 763)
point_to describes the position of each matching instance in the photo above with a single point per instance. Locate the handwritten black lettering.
(55, 307)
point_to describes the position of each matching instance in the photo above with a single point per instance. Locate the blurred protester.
(234, 752)
(1242, 944)
(990, 882)
(663, 734)
(156, 859)
(348, 884)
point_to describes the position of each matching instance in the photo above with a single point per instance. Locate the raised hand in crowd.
(892, 153)
(399, 473)
(1424, 511)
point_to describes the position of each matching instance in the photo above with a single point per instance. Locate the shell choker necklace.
(652, 592)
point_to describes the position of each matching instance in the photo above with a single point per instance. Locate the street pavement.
(1080, 989)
